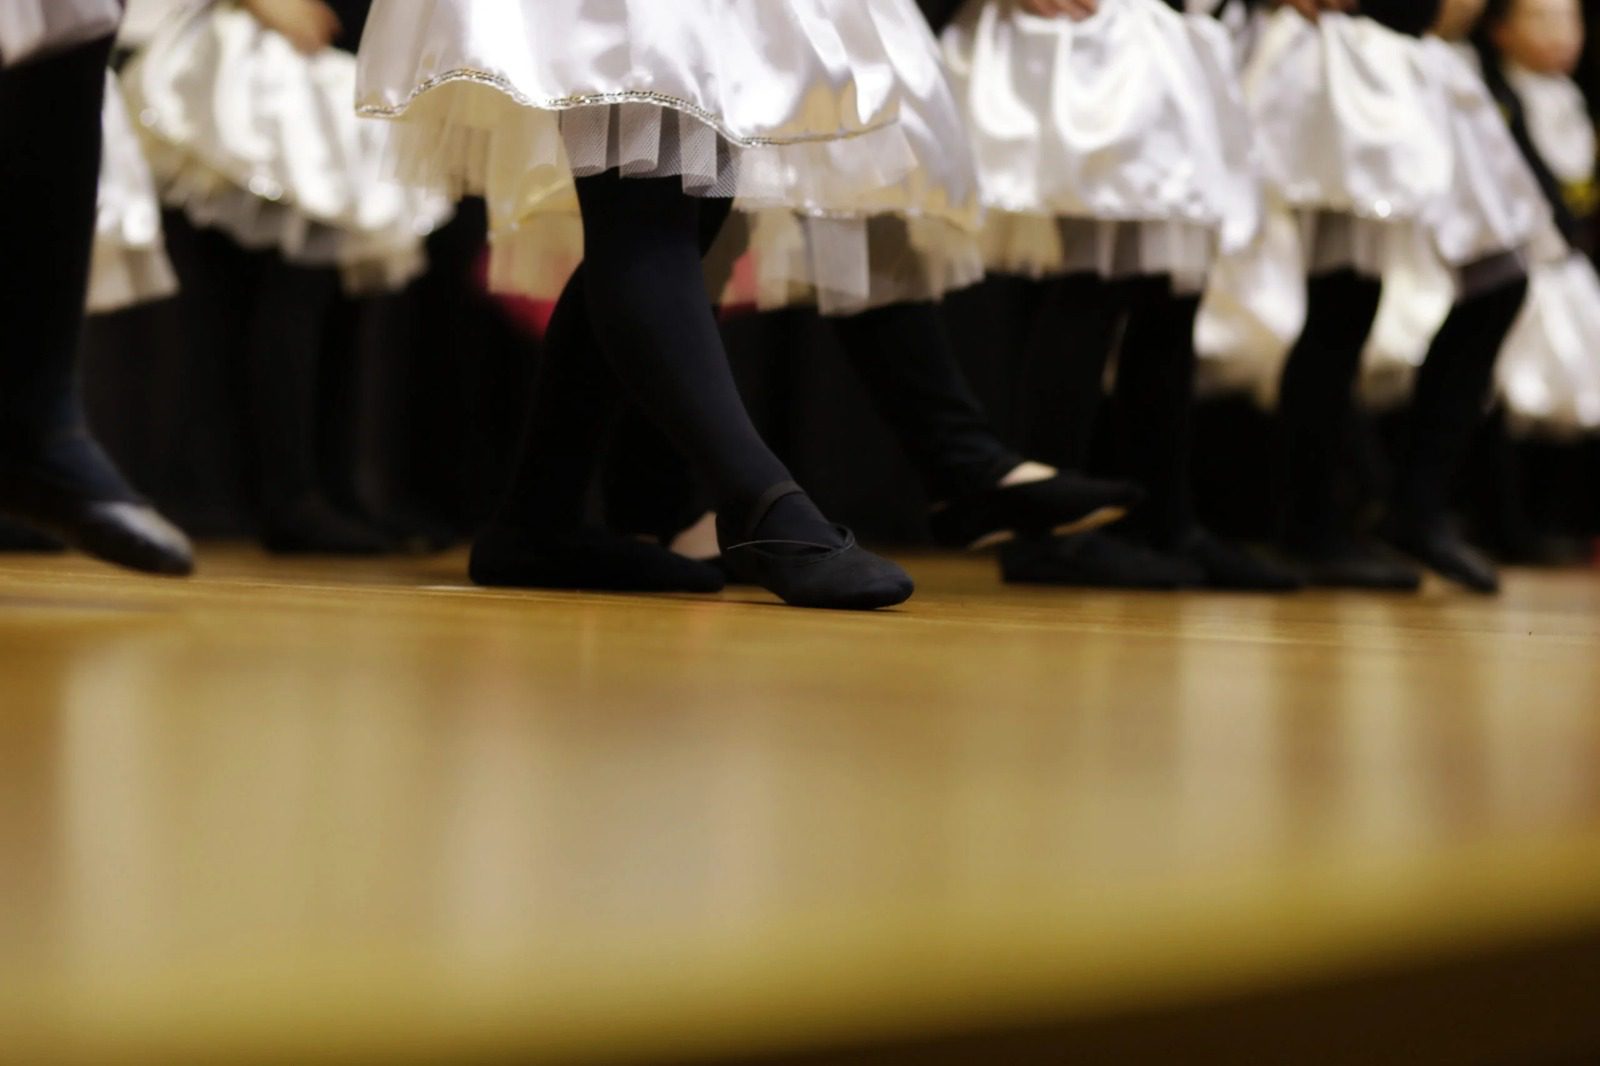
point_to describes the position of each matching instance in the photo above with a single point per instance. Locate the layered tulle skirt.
(1118, 144)
(129, 264)
(827, 121)
(247, 135)
(32, 28)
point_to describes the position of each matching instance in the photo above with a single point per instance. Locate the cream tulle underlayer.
(1042, 246)
(835, 223)
(121, 277)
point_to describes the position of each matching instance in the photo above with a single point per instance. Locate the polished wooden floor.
(318, 812)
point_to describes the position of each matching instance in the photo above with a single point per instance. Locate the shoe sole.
(1090, 522)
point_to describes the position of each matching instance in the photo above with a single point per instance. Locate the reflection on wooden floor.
(307, 811)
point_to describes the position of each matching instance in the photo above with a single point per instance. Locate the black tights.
(49, 170)
(1075, 330)
(1315, 403)
(904, 356)
(636, 320)
(1451, 398)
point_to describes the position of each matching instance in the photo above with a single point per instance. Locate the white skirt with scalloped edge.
(829, 123)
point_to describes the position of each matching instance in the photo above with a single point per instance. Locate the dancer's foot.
(788, 548)
(1056, 502)
(1438, 546)
(1230, 568)
(1351, 563)
(69, 489)
(503, 557)
(1095, 560)
(312, 526)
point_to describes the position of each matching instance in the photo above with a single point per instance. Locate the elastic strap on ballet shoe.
(765, 503)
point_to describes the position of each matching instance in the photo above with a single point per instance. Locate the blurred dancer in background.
(54, 476)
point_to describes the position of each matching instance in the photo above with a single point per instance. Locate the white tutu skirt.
(1493, 205)
(1386, 155)
(247, 135)
(32, 28)
(1118, 144)
(1549, 371)
(130, 264)
(793, 108)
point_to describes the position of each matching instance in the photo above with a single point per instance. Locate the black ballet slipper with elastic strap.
(1055, 506)
(842, 576)
(584, 559)
(85, 506)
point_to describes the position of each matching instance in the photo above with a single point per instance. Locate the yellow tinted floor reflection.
(319, 811)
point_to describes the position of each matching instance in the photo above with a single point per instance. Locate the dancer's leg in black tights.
(574, 399)
(1315, 403)
(1448, 406)
(1450, 400)
(53, 474)
(1074, 332)
(539, 536)
(904, 357)
(1154, 409)
(49, 169)
(648, 305)
(283, 353)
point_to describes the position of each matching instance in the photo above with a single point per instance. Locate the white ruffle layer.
(130, 264)
(31, 28)
(247, 135)
(852, 193)
(1118, 144)
(1549, 370)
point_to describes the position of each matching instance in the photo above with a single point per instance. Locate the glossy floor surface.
(310, 811)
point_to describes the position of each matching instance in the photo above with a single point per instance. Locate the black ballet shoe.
(1063, 504)
(74, 494)
(1095, 560)
(312, 526)
(803, 573)
(584, 559)
(1349, 563)
(1233, 569)
(1437, 546)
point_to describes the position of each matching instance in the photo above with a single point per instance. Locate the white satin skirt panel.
(247, 135)
(1549, 370)
(1132, 119)
(33, 28)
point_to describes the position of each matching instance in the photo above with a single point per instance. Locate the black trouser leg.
(903, 355)
(1154, 406)
(1316, 398)
(1450, 400)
